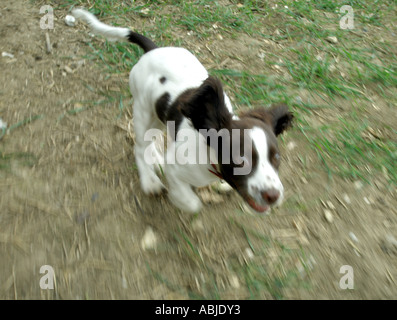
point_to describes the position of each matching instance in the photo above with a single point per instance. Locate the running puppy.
(173, 90)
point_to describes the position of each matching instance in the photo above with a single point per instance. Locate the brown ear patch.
(278, 117)
(206, 106)
(281, 118)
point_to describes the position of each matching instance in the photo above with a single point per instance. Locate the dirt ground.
(70, 197)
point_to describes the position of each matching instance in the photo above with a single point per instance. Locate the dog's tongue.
(256, 206)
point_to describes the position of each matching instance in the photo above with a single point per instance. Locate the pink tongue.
(256, 206)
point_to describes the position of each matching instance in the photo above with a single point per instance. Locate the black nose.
(271, 195)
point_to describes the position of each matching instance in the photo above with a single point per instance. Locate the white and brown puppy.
(170, 85)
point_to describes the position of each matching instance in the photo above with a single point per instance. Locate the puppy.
(172, 90)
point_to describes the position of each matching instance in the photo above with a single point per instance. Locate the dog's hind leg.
(146, 155)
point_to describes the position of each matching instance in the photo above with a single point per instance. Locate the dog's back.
(165, 70)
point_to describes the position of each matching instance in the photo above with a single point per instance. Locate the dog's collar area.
(215, 171)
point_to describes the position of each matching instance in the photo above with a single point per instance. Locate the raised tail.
(113, 33)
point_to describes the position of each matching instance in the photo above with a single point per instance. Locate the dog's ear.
(205, 107)
(278, 117)
(281, 118)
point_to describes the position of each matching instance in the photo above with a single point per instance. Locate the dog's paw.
(190, 204)
(151, 185)
(221, 187)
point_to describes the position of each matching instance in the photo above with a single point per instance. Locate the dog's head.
(248, 154)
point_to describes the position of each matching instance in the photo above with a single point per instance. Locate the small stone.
(221, 187)
(391, 239)
(387, 224)
(358, 184)
(291, 145)
(332, 39)
(70, 21)
(366, 200)
(249, 253)
(389, 245)
(353, 236)
(261, 55)
(330, 205)
(144, 11)
(68, 69)
(149, 239)
(124, 283)
(6, 54)
(3, 125)
(346, 198)
(328, 216)
(234, 282)
(277, 67)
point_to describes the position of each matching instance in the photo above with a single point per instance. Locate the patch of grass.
(366, 12)
(116, 57)
(252, 89)
(346, 77)
(364, 69)
(19, 124)
(313, 73)
(190, 248)
(22, 158)
(203, 16)
(192, 256)
(349, 150)
(261, 276)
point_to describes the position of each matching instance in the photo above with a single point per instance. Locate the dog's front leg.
(180, 192)
(150, 182)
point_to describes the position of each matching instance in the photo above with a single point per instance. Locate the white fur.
(111, 33)
(265, 176)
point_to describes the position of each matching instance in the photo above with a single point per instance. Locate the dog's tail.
(113, 33)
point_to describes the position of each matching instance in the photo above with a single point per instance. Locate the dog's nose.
(271, 195)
